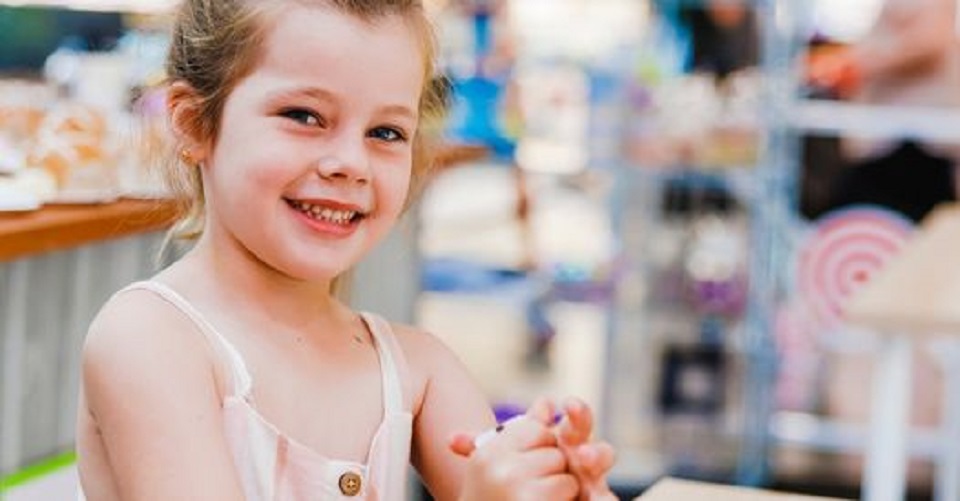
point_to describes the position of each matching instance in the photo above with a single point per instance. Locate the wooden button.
(350, 483)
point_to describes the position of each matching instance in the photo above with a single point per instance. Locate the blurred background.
(663, 207)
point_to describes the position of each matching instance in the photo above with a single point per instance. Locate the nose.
(345, 160)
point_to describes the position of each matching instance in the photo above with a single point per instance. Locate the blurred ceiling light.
(578, 28)
(845, 20)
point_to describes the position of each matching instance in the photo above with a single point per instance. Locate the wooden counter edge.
(681, 490)
(62, 227)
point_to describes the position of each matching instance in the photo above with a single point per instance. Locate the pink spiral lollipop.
(845, 251)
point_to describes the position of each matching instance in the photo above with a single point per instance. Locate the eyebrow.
(299, 92)
(320, 94)
(401, 111)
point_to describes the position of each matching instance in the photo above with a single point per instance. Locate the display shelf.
(875, 121)
(741, 180)
(816, 433)
(766, 196)
(789, 118)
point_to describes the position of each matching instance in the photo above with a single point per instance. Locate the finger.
(541, 411)
(596, 459)
(516, 435)
(562, 486)
(525, 433)
(577, 423)
(540, 462)
(462, 444)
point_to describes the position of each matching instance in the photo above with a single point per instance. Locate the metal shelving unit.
(769, 194)
(875, 121)
(774, 211)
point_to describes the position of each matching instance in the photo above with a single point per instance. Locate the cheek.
(261, 169)
(397, 184)
(268, 173)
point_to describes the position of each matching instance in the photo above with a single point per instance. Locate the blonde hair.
(216, 43)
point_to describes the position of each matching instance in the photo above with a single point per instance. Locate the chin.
(312, 274)
(314, 269)
(302, 262)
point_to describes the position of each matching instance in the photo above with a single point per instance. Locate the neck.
(239, 282)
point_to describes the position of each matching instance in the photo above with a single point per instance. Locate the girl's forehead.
(303, 33)
(382, 56)
(315, 18)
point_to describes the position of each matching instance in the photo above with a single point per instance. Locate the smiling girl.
(235, 373)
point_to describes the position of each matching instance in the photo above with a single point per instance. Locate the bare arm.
(908, 36)
(450, 402)
(523, 462)
(150, 385)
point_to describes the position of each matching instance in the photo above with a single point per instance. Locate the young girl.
(235, 373)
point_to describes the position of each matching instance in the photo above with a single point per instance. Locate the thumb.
(577, 423)
(462, 444)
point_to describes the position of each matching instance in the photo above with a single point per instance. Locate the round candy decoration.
(847, 248)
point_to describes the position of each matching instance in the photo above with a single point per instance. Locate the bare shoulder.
(150, 387)
(138, 337)
(139, 321)
(425, 353)
(417, 342)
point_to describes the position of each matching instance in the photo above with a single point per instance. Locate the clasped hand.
(534, 459)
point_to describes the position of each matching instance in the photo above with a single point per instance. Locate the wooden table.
(63, 227)
(670, 489)
(916, 297)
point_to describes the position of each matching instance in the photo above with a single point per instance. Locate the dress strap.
(240, 376)
(392, 362)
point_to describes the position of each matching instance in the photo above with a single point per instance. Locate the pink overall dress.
(274, 467)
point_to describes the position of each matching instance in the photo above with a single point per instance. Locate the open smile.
(327, 213)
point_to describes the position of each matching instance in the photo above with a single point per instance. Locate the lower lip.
(326, 227)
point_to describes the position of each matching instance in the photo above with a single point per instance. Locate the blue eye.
(303, 116)
(387, 134)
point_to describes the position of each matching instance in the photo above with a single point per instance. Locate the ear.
(184, 112)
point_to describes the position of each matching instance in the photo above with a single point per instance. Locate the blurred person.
(724, 36)
(909, 58)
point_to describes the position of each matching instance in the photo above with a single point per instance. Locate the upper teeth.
(334, 215)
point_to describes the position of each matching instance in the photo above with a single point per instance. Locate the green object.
(37, 471)
(28, 36)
